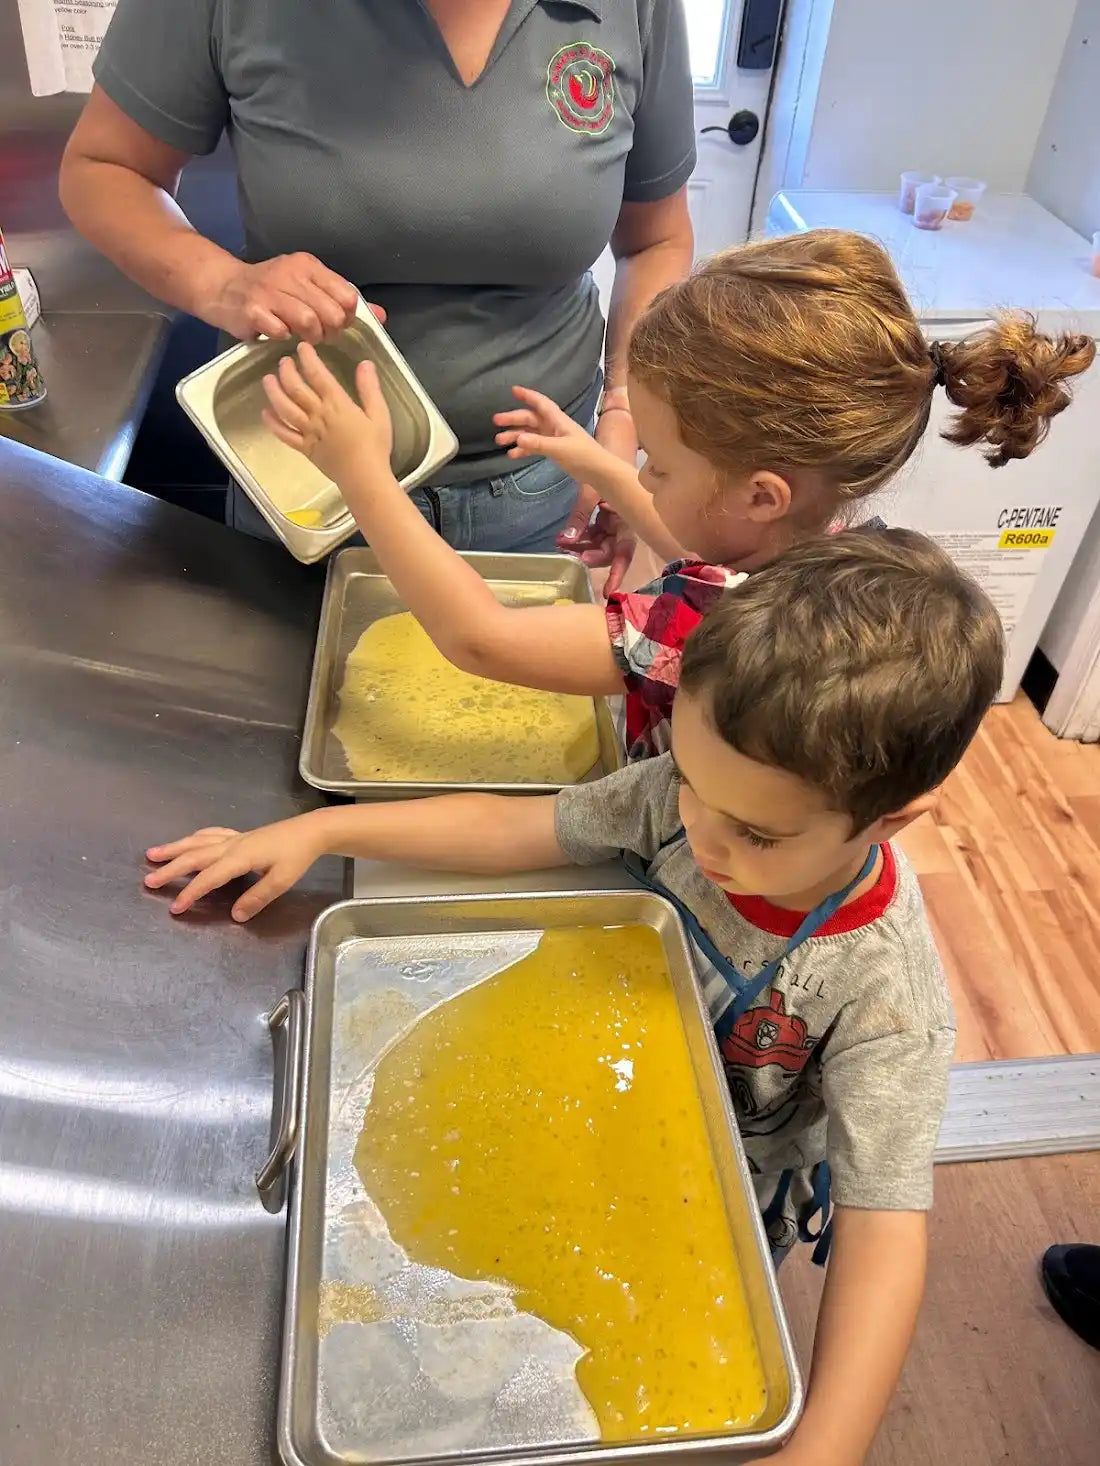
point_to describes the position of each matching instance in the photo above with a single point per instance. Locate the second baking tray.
(367, 1391)
(358, 593)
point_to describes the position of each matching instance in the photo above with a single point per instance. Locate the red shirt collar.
(780, 922)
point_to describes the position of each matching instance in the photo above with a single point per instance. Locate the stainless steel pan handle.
(288, 1013)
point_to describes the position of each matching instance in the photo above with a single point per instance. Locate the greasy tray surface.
(356, 595)
(225, 398)
(373, 965)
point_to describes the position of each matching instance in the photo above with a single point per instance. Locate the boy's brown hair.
(803, 352)
(861, 662)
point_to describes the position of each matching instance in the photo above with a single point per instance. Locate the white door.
(731, 102)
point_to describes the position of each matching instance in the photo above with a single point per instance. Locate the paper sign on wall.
(61, 40)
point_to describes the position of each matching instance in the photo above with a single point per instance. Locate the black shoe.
(1071, 1278)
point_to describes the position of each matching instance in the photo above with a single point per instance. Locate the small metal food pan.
(352, 1393)
(358, 593)
(224, 399)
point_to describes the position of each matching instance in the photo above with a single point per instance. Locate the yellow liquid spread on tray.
(407, 715)
(543, 1129)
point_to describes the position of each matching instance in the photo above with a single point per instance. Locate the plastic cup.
(933, 204)
(968, 193)
(1096, 254)
(910, 182)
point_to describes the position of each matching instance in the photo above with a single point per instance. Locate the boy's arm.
(864, 1328)
(482, 834)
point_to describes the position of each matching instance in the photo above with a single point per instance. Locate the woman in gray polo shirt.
(461, 162)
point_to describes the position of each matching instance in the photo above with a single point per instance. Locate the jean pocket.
(539, 480)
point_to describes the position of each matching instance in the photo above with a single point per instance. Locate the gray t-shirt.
(846, 1058)
(472, 214)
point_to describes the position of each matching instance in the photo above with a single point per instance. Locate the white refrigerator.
(1016, 529)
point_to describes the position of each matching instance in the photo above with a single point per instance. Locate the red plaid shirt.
(648, 629)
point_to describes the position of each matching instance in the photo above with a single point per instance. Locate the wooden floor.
(994, 1377)
(1010, 868)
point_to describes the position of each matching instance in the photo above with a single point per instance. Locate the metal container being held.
(224, 399)
(21, 381)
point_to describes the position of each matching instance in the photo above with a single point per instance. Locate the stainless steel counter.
(99, 367)
(101, 336)
(153, 669)
(381, 878)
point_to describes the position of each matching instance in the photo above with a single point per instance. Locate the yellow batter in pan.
(543, 1129)
(406, 715)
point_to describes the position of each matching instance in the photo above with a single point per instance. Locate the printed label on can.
(21, 383)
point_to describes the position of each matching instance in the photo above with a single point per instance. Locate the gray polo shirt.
(472, 214)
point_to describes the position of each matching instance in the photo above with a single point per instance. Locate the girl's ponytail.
(1009, 381)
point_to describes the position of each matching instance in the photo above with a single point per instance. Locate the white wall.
(958, 86)
(1065, 173)
(1065, 177)
(794, 100)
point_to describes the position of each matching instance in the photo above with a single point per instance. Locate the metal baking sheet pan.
(367, 1388)
(358, 593)
(224, 399)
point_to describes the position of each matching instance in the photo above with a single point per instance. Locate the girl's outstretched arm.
(555, 648)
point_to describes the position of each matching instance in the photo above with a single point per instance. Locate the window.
(707, 22)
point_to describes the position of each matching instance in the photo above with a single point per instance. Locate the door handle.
(740, 129)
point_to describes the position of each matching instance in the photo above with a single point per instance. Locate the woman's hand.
(540, 429)
(279, 854)
(310, 411)
(291, 295)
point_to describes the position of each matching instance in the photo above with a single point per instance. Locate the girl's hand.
(540, 429)
(310, 411)
(279, 854)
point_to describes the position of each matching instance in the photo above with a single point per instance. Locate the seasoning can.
(21, 381)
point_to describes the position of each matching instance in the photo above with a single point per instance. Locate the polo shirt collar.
(594, 8)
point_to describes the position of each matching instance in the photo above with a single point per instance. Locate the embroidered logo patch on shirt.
(580, 84)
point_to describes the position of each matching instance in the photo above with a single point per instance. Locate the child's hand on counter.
(540, 429)
(310, 411)
(279, 854)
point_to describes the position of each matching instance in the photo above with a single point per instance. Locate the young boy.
(822, 703)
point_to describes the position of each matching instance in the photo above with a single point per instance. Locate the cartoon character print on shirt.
(766, 1036)
(580, 86)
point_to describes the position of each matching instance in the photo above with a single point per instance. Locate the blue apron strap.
(820, 1255)
(814, 920)
(820, 1206)
(745, 995)
(744, 992)
(636, 866)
